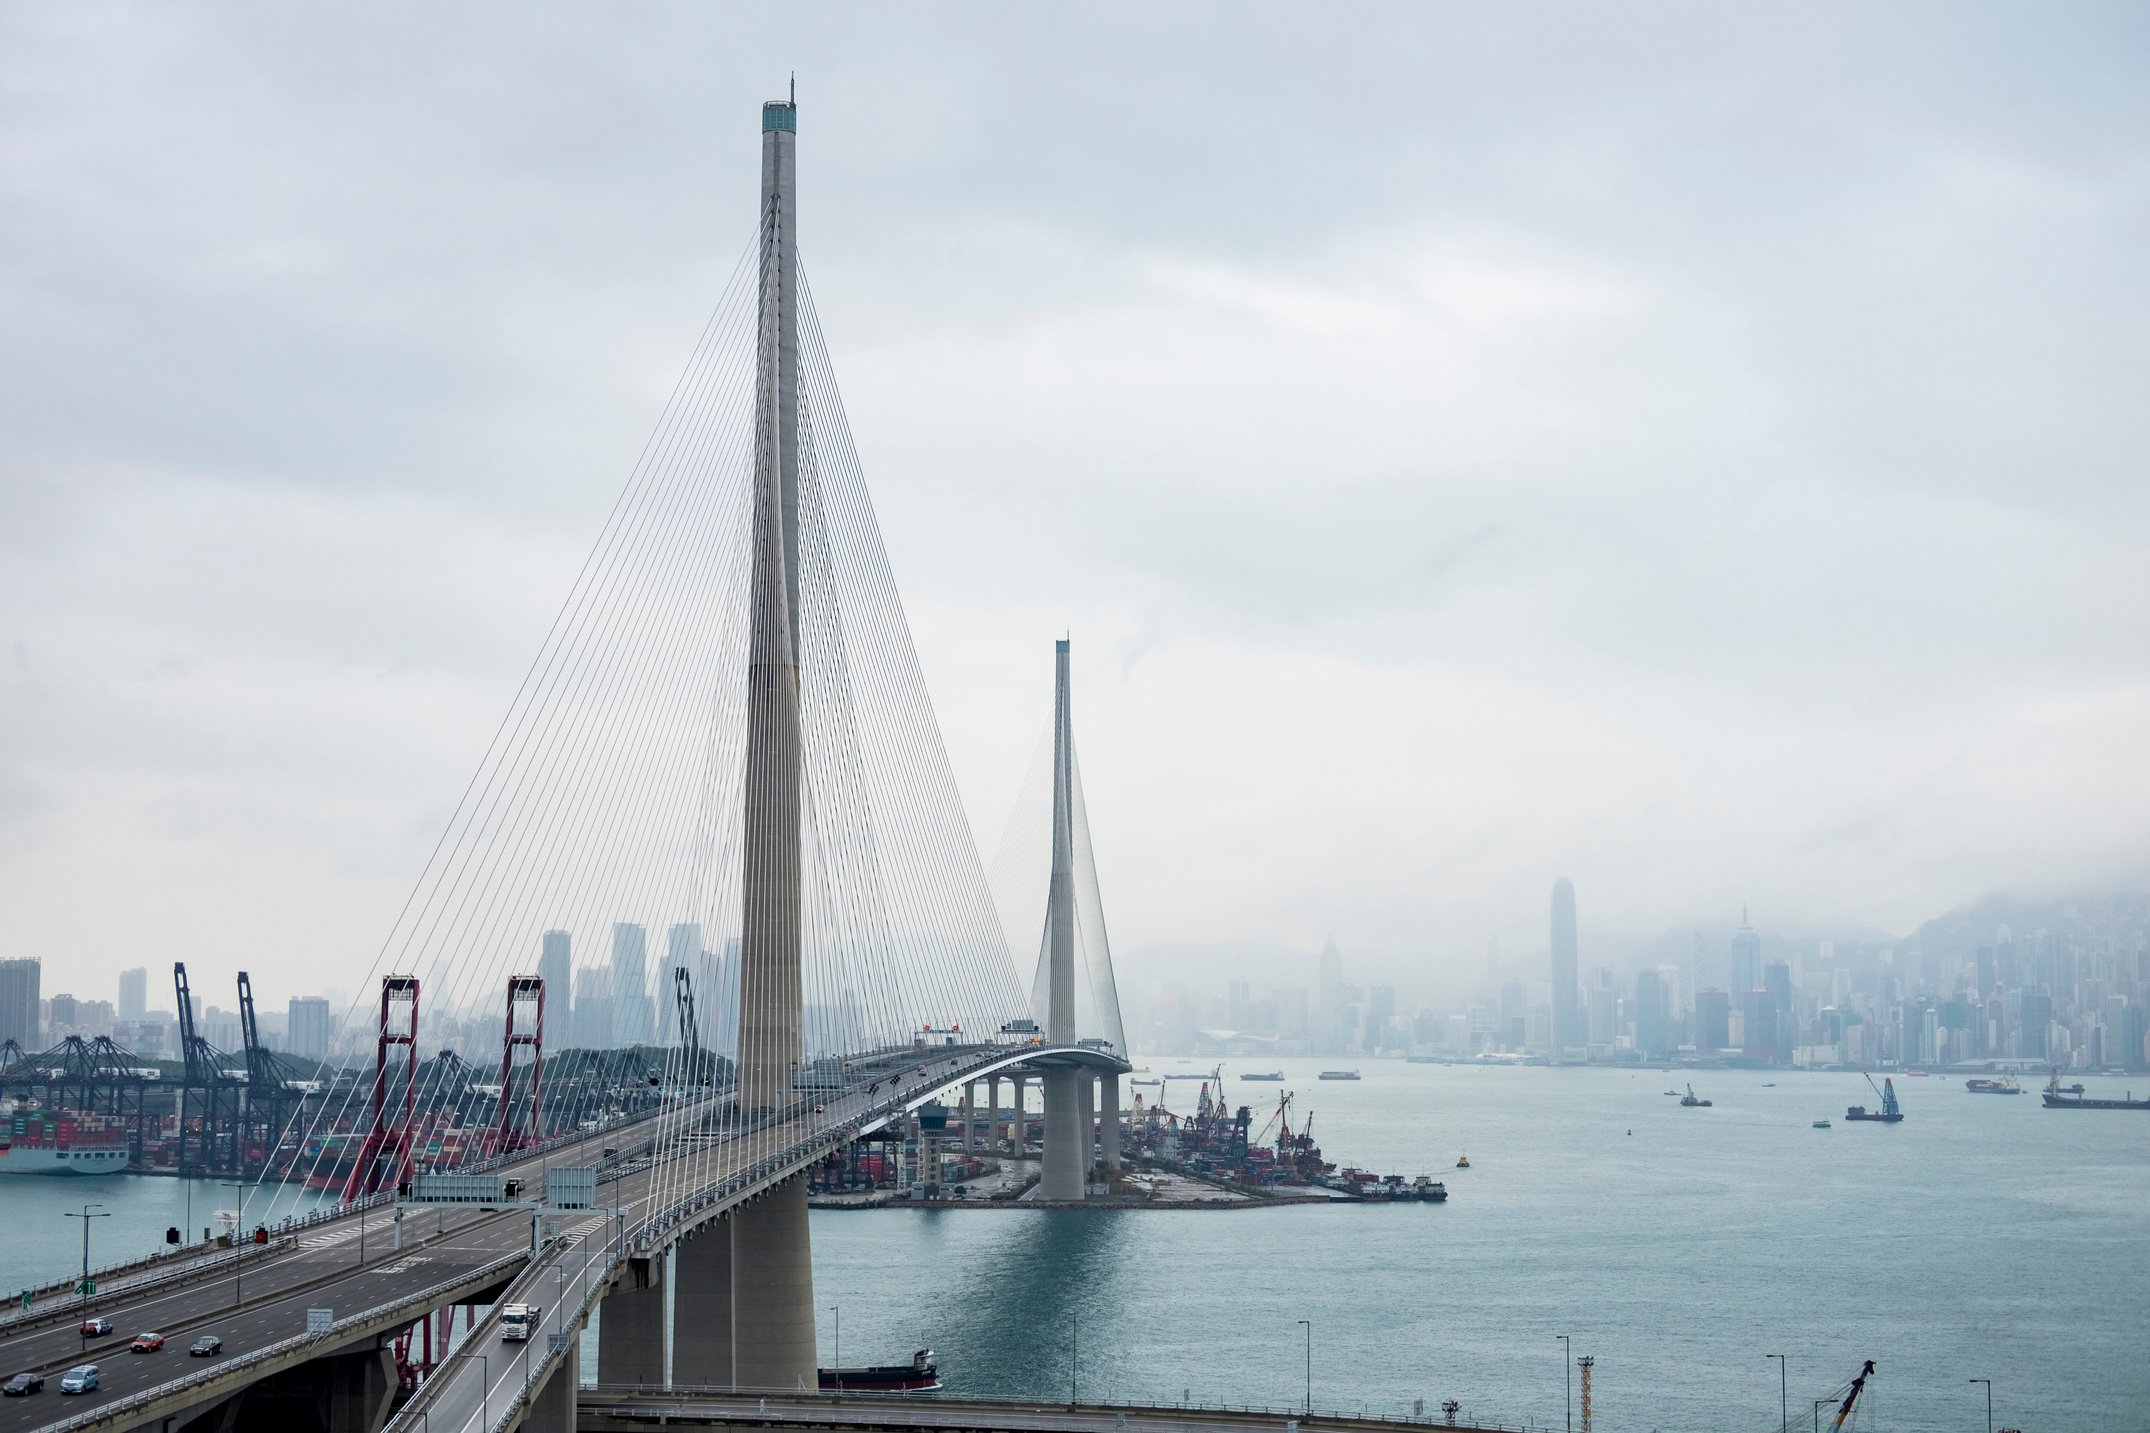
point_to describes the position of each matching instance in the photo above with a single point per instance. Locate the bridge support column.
(630, 1333)
(970, 1116)
(703, 1309)
(360, 1386)
(1067, 1157)
(1108, 1126)
(1088, 1088)
(773, 1292)
(553, 1410)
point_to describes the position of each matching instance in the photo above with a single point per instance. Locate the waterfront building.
(1567, 1028)
(20, 979)
(133, 993)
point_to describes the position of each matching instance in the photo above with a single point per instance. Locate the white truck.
(519, 1321)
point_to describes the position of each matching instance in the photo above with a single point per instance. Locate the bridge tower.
(746, 1287)
(1067, 1151)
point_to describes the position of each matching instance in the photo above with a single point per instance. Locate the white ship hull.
(49, 1159)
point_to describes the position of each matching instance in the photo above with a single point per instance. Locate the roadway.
(622, 1410)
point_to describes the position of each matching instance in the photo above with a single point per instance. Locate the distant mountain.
(1958, 935)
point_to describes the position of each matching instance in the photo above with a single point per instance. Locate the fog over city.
(1695, 455)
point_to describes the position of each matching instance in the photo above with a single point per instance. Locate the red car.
(146, 1343)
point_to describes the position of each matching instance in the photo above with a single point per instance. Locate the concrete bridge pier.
(773, 1292)
(703, 1308)
(1108, 1132)
(631, 1323)
(553, 1410)
(970, 1117)
(1066, 1161)
(1088, 1089)
(1018, 1116)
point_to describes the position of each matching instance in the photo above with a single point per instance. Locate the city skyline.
(1683, 653)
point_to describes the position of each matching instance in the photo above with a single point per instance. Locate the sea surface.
(1984, 1237)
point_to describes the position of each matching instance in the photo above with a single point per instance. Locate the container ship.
(1339, 1074)
(2057, 1098)
(2005, 1085)
(38, 1144)
(1273, 1076)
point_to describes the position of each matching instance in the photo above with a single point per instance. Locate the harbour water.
(1983, 1237)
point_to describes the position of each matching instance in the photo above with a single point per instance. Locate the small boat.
(1337, 1075)
(1674, 1093)
(1821, 1124)
(1272, 1076)
(1146, 1082)
(1463, 1162)
(921, 1374)
(1770, 1086)
(1691, 1102)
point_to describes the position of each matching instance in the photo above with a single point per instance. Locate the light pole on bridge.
(82, 1289)
(1308, 1325)
(838, 1310)
(1567, 1377)
(1784, 1412)
(238, 1237)
(1989, 1401)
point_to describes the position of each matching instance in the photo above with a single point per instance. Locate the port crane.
(1850, 1393)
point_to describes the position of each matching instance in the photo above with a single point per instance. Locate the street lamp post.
(1818, 1414)
(1074, 1345)
(1567, 1376)
(1989, 1401)
(485, 1392)
(838, 1310)
(1784, 1416)
(238, 1235)
(1308, 1325)
(83, 1289)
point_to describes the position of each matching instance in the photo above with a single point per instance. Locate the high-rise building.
(19, 994)
(1567, 1027)
(1713, 1020)
(1746, 957)
(593, 1010)
(556, 967)
(133, 993)
(631, 1012)
(1650, 1015)
(309, 1026)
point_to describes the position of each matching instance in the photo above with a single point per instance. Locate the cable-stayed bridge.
(726, 728)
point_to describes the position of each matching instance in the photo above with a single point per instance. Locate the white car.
(81, 1378)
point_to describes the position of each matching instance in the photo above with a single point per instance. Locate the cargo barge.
(2057, 1098)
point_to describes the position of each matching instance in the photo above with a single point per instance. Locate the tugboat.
(1691, 1102)
(920, 1375)
(2057, 1099)
(1890, 1112)
(1821, 1124)
(2005, 1085)
(1463, 1161)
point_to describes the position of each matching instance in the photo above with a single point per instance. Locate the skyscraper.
(631, 1023)
(19, 992)
(133, 993)
(1567, 1028)
(1746, 958)
(308, 1027)
(593, 1027)
(1649, 1014)
(556, 966)
(1713, 1021)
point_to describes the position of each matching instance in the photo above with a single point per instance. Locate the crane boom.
(1851, 1396)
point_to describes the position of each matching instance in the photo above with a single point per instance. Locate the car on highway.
(96, 1328)
(146, 1343)
(23, 1384)
(207, 1346)
(81, 1378)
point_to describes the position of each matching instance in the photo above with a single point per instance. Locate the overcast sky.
(1696, 450)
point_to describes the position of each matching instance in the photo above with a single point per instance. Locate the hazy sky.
(1697, 450)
